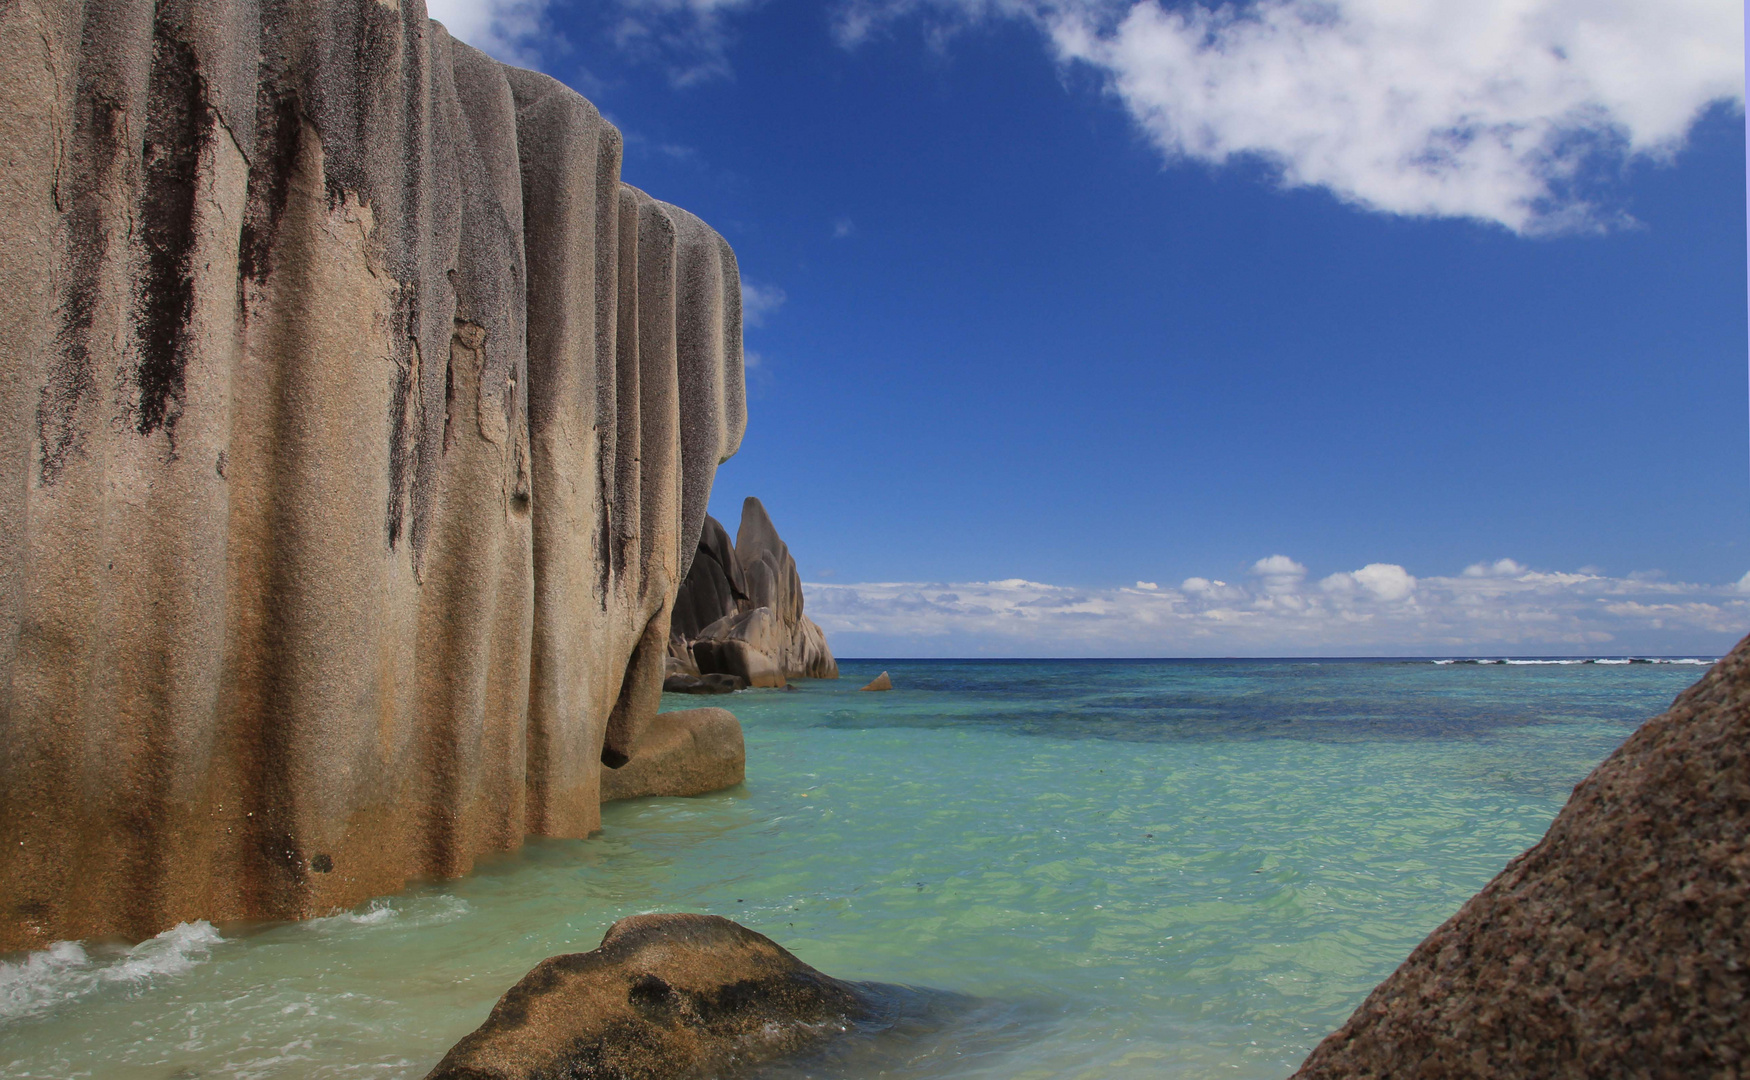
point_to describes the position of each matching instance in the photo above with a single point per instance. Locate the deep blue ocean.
(1088, 869)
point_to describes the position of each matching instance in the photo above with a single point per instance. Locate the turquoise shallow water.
(1118, 869)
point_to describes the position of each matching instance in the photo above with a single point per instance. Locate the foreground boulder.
(680, 753)
(746, 595)
(1618, 946)
(664, 997)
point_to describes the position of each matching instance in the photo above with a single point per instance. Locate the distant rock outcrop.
(1618, 946)
(740, 610)
(880, 682)
(360, 425)
(663, 996)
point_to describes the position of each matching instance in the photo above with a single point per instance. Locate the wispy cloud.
(1516, 112)
(689, 38)
(759, 301)
(1500, 607)
(843, 227)
(509, 30)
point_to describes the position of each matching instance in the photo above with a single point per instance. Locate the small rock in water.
(880, 682)
(663, 996)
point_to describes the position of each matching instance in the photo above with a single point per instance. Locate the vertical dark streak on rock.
(177, 124)
(403, 410)
(71, 379)
(449, 403)
(272, 873)
(278, 119)
(413, 216)
(628, 456)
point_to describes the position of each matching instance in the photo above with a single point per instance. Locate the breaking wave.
(66, 972)
(402, 912)
(1580, 660)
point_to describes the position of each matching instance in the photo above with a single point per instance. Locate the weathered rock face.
(1618, 946)
(358, 427)
(688, 752)
(739, 611)
(664, 997)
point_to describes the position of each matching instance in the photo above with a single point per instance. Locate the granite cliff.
(359, 427)
(739, 612)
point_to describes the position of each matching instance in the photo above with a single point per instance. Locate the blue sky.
(1321, 306)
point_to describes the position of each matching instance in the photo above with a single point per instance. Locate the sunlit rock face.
(739, 612)
(359, 428)
(1618, 946)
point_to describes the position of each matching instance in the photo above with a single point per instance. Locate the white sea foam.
(425, 911)
(65, 971)
(1610, 660)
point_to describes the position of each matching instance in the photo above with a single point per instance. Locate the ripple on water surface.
(1083, 869)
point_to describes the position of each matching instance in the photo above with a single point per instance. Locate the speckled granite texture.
(357, 426)
(1619, 946)
(664, 997)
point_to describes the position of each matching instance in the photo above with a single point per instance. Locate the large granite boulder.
(359, 429)
(748, 592)
(664, 997)
(1618, 946)
(737, 658)
(688, 752)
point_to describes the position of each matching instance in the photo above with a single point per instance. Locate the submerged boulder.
(664, 997)
(689, 752)
(1618, 946)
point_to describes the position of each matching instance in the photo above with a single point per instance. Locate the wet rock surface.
(1618, 946)
(664, 997)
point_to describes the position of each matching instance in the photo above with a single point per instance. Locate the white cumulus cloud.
(1381, 581)
(1379, 609)
(1502, 111)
